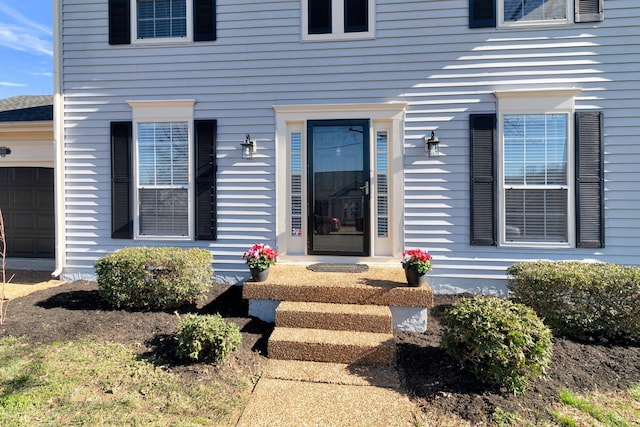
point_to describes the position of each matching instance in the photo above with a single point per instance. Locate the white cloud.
(24, 34)
(9, 84)
(23, 19)
(44, 74)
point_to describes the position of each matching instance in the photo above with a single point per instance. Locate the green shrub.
(581, 300)
(502, 343)
(152, 278)
(206, 337)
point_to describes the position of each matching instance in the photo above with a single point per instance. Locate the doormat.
(325, 267)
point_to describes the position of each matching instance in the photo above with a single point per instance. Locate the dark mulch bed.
(75, 310)
(438, 383)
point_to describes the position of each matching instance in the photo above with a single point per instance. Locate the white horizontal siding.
(423, 54)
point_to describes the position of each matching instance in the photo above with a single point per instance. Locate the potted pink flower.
(416, 263)
(260, 258)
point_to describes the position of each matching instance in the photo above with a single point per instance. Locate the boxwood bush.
(154, 278)
(206, 337)
(581, 300)
(503, 343)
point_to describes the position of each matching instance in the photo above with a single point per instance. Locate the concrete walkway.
(293, 393)
(16, 290)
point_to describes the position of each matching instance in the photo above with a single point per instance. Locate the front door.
(338, 222)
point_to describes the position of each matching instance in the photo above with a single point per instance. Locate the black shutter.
(589, 180)
(589, 10)
(204, 20)
(483, 179)
(482, 13)
(205, 169)
(121, 216)
(119, 22)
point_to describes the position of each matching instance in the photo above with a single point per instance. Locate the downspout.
(58, 140)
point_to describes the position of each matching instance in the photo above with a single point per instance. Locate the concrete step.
(319, 345)
(337, 317)
(377, 286)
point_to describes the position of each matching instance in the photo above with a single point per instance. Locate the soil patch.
(438, 383)
(75, 310)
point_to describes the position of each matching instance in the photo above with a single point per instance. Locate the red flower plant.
(416, 259)
(260, 256)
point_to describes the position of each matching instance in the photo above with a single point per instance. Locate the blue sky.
(26, 47)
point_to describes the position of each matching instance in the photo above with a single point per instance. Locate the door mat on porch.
(325, 267)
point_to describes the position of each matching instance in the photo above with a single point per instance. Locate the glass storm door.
(338, 222)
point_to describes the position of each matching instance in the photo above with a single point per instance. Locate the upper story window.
(161, 18)
(161, 21)
(337, 19)
(514, 13)
(532, 11)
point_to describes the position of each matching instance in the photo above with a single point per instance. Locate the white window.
(162, 151)
(535, 168)
(536, 188)
(163, 20)
(519, 12)
(337, 19)
(163, 190)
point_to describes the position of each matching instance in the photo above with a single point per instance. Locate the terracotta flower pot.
(414, 278)
(259, 275)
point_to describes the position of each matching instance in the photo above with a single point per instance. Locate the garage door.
(26, 200)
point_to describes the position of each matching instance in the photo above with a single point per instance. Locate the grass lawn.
(85, 382)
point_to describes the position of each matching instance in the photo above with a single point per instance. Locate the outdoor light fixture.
(248, 147)
(432, 145)
(5, 151)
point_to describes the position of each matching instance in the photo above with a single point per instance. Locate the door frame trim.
(390, 116)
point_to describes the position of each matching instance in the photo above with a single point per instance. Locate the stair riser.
(382, 355)
(335, 321)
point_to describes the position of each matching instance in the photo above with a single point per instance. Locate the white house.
(535, 104)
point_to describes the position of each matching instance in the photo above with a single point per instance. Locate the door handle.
(365, 188)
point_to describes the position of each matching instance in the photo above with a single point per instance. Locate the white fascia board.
(537, 93)
(380, 111)
(536, 100)
(27, 127)
(178, 109)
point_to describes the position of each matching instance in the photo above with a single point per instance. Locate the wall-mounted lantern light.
(432, 144)
(5, 151)
(248, 147)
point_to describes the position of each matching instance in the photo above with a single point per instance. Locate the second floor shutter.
(204, 20)
(589, 10)
(119, 22)
(482, 13)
